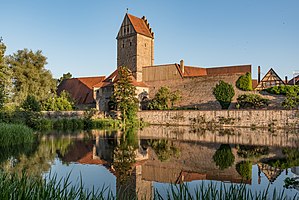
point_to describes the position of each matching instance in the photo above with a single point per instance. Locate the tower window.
(124, 30)
(130, 43)
(123, 45)
(145, 44)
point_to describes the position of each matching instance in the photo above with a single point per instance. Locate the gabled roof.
(269, 80)
(291, 82)
(140, 25)
(80, 89)
(113, 78)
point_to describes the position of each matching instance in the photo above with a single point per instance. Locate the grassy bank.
(23, 187)
(15, 134)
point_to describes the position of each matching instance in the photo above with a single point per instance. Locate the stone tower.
(135, 45)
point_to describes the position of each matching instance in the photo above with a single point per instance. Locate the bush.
(244, 82)
(282, 89)
(224, 157)
(252, 101)
(31, 104)
(63, 102)
(292, 98)
(224, 93)
(164, 99)
(244, 168)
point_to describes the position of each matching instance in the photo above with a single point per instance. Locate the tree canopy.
(30, 76)
(64, 77)
(124, 95)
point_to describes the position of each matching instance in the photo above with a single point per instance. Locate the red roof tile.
(80, 89)
(140, 26)
(113, 78)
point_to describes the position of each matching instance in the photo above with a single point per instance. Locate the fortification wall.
(197, 92)
(224, 118)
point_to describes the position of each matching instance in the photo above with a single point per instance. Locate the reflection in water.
(139, 159)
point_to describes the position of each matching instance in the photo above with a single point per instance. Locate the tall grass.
(15, 134)
(24, 187)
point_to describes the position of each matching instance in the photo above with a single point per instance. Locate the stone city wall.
(224, 118)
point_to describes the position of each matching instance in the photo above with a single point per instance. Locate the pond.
(158, 158)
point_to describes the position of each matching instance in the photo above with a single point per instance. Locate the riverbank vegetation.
(15, 134)
(23, 187)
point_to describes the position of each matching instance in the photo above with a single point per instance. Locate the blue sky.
(78, 36)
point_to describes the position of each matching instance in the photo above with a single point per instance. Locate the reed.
(24, 187)
(15, 134)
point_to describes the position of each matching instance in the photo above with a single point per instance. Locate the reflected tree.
(164, 149)
(244, 168)
(124, 154)
(248, 151)
(224, 157)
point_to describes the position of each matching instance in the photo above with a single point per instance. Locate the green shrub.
(224, 93)
(63, 102)
(164, 99)
(282, 89)
(31, 104)
(244, 82)
(244, 168)
(224, 157)
(292, 98)
(252, 101)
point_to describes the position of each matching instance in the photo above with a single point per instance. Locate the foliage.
(15, 134)
(5, 77)
(224, 157)
(244, 82)
(164, 99)
(31, 104)
(248, 151)
(252, 101)
(30, 76)
(124, 95)
(224, 93)
(27, 187)
(124, 155)
(64, 77)
(291, 159)
(244, 168)
(292, 98)
(62, 102)
(291, 183)
(282, 89)
(163, 149)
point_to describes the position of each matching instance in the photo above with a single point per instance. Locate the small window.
(130, 43)
(128, 30)
(123, 45)
(145, 44)
(124, 30)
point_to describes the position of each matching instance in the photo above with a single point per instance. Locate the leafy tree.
(62, 102)
(252, 101)
(224, 93)
(31, 104)
(224, 157)
(292, 98)
(5, 77)
(64, 77)
(244, 168)
(244, 82)
(124, 95)
(30, 76)
(164, 99)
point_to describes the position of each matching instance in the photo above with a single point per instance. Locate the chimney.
(286, 80)
(182, 66)
(258, 74)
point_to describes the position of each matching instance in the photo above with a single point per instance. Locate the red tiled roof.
(91, 81)
(140, 26)
(80, 89)
(113, 78)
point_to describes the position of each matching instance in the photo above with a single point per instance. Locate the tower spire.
(127, 10)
